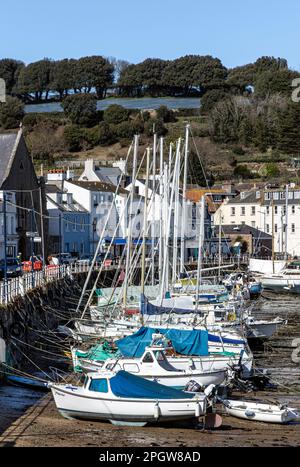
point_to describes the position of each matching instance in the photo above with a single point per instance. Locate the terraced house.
(273, 211)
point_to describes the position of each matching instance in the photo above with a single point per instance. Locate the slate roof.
(242, 229)
(98, 186)
(7, 145)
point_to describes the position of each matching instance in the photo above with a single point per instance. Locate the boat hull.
(72, 404)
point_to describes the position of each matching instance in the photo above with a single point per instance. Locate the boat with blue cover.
(126, 399)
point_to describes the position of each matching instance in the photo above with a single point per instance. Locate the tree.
(275, 82)
(9, 71)
(100, 135)
(288, 129)
(35, 79)
(11, 112)
(157, 125)
(211, 97)
(165, 114)
(115, 114)
(81, 109)
(63, 76)
(193, 71)
(242, 171)
(74, 137)
(94, 72)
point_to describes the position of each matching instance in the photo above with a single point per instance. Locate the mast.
(273, 238)
(129, 233)
(220, 245)
(286, 221)
(145, 222)
(161, 189)
(176, 214)
(200, 250)
(153, 209)
(183, 218)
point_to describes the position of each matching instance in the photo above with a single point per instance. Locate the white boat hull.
(267, 413)
(71, 403)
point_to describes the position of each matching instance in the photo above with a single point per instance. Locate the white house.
(267, 210)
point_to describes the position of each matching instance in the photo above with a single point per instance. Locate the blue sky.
(234, 31)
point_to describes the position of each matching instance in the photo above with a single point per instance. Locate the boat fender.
(250, 413)
(197, 410)
(156, 410)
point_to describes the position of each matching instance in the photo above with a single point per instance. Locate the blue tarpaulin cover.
(128, 385)
(194, 342)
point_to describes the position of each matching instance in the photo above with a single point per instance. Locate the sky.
(235, 31)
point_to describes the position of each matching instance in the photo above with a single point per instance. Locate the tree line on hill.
(190, 75)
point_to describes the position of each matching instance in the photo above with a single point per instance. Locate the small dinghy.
(261, 412)
(126, 399)
(26, 382)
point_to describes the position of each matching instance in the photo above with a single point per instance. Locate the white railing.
(19, 286)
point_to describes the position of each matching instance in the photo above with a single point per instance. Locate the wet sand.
(41, 424)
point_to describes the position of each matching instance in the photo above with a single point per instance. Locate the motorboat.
(285, 281)
(155, 366)
(126, 399)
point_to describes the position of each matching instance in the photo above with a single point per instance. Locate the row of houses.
(72, 212)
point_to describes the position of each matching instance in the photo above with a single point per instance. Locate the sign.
(32, 234)
(37, 239)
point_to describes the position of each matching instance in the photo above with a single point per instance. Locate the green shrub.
(81, 109)
(11, 113)
(74, 137)
(115, 114)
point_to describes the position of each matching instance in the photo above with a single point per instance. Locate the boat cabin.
(152, 359)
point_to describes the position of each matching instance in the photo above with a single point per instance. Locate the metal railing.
(19, 286)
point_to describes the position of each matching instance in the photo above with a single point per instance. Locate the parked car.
(37, 264)
(13, 268)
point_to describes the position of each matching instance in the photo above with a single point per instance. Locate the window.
(148, 358)
(82, 225)
(276, 195)
(243, 210)
(233, 211)
(293, 209)
(252, 210)
(268, 228)
(275, 226)
(276, 209)
(267, 195)
(282, 195)
(297, 195)
(268, 210)
(99, 385)
(293, 228)
(253, 224)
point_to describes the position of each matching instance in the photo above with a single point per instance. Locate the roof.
(8, 144)
(98, 186)
(68, 207)
(195, 194)
(53, 188)
(247, 197)
(242, 229)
